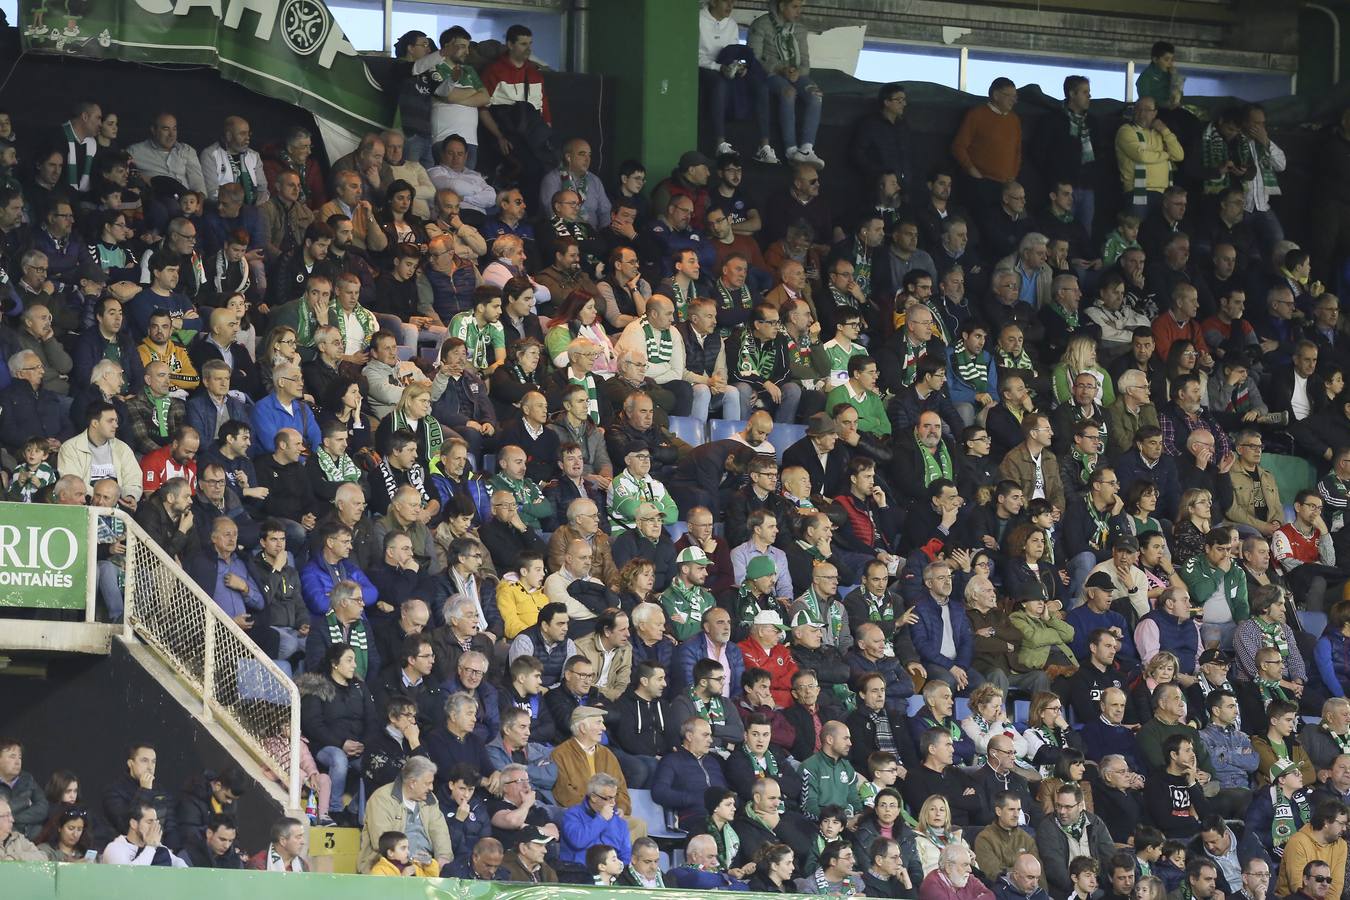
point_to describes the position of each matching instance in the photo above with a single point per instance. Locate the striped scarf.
(935, 465)
(682, 299)
(972, 370)
(428, 429)
(336, 468)
(592, 401)
(358, 639)
(77, 174)
(1078, 127)
(1214, 152)
(784, 39)
(1261, 157)
(660, 345)
(1139, 192)
(338, 316)
(712, 709)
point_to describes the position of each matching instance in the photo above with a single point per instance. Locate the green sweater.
(1150, 741)
(872, 416)
(829, 782)
(534, 506)
(1203, 579)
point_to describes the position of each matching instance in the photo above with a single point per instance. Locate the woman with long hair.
(1194, 518)
(934, 831)
(886, 819)
(63, 787)
(988, 718)
(342, 401)
(579, 316)
(67, 834)
(1183, 359)
(280, 347)
(1081, 356)
(1026, 547)
(397, 221)
(773, 869)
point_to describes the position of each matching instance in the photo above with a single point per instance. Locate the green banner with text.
(293, 50)
(44, 555)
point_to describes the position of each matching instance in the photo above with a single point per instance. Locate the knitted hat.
(760, 566)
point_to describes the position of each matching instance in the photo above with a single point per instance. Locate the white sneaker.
(807, 154)
(71, 31)
(765, 154)
(724, 147)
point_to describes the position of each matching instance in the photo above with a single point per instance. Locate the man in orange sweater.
(988, 145)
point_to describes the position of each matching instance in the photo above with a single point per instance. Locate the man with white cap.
(686, 600)
(764, 649)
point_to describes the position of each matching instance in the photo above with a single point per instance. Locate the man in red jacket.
(764, 649)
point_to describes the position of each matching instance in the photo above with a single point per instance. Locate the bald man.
(655, 336)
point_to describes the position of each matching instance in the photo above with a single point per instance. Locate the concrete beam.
(56, 637)
(1088, 29)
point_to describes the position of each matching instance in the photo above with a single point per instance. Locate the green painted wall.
(649, 50)
(79, 881)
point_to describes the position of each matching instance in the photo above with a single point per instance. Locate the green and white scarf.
(159, 412)
(768, 768)
(1272, 634)
(755, 359)
(526, 492)
(1263, 159)
(1075, 829)
(358, 639)
(592, 401)
(879, 609)
(712, 709)
(570, 183)
(1139, 190)
(785, 39)
(1085, 462)
(682, 299)
(77, 176)
(748, 605)
(339, 468)
(428, 429)
(338, 316)
(660, 345)
(935, 467)
(1078, 127)
(305, 325)
(1271, 689)
(971, 369)
(244, 175)
(1070, 318)
(1214, 152)
(1283, 824)
(834, 618)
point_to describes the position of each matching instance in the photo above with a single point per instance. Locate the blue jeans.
(336, 763)
(417, 147)
(730, 401)
(1080, 567)
(1085, 207)
(790, 96)
(716, 87)
(792, 396)
(1268, 230)
(110, 589)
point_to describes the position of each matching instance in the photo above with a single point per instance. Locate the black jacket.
(802, 723)
(1058, 153)
(880, 146)
(643, 727)
(290, 494)
(332, 713)
(118, 799)
(662, 554)
(741, 775)
(152, 516)
(831, 479)
(428, 695)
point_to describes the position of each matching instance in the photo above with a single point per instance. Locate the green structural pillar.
(649, 50)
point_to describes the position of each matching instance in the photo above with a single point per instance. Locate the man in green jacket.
(1219, 585)
(534, 506)
(686, 600)
(1169, 717)
(828, 779)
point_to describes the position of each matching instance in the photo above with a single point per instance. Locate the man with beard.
(1071, 831)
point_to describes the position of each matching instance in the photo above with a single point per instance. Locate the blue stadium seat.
(687, 429)
(962, 709)
(1021, 711)
(915, 704)
(845, 591)
(676, 530)
(648, 810)
(784, 435)
(1313, 622)
(721, 429)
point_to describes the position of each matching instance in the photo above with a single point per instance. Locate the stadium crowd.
(1013, 609)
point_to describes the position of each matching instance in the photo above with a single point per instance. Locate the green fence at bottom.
(85, 881)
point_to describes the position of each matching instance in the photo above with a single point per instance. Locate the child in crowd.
(1171, 867)
(1083, 873)
(33, 474)
(830, 828)
(884, 770)
(1125, 237)
(394, 856)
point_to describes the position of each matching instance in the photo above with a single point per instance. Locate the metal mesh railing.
(238, 684)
